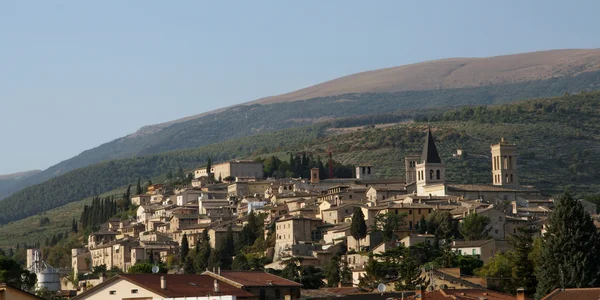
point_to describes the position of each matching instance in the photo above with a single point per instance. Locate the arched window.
(511, 178)
(437, 173)
(430, 174)
(510, 162)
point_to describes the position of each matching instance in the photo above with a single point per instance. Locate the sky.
(76, 74)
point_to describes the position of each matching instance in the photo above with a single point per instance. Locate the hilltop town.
(230, 217)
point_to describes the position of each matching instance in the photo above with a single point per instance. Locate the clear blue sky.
(76, 74)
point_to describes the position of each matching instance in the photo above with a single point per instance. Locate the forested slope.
(248, 120)
(557, 138)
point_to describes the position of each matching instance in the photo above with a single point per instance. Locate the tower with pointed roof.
(430, 170)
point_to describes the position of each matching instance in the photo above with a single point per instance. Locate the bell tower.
(410, 165)
(504, 164)
(431, 170)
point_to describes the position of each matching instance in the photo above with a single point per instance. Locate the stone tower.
(410, 165)
(365, 172)
(431, 170)
(314, 175)
(504, 164)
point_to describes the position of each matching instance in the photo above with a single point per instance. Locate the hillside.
(557, 139)
(455, 73)
(11, 179)
(450, 82)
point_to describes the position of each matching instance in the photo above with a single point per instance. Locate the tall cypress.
(139, 187)
(569, 256)
(185, 247)
(358, 227)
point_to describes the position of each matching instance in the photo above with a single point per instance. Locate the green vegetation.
(568, 258)
(247, 120)
(556, 139)
(13, 274)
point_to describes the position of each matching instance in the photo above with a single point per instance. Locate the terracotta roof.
(254, 279)
(574, 294)
(177, 285)
(464, 294)
(487, 188)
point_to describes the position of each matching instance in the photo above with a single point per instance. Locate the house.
(139, 200)
(187, 196)
(261, 284)
(336, 214)
(463, 294)
(375, 193)
(234, 168)
(413, 239)
(163, 286)
(573, 294)
(486, 249)
(9, 293)
(290, 231)
(218, 235)
(180, 221)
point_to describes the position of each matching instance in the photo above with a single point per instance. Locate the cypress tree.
(569, 256)
(185, 247)
(358, 227)
(139, 187)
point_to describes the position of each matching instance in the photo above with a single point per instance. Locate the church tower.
(431, 170)
(504, 164)
(410, 165)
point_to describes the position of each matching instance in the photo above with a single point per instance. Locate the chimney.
(83, 288)
(217, 286)
(163, 283)
(520, 294)
(219, 270)
(420, 291)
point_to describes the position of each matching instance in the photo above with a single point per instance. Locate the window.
(437, 174)
(474, 252)
(277, 294)
(409, 224)
(430, 210)
(430, 174)
(112, 292)
(410, 211)
(511, 178)
(496, 231)
(134, 291)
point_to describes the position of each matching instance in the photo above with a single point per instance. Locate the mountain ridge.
(579, 70)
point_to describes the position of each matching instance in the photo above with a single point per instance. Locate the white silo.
(47, 276)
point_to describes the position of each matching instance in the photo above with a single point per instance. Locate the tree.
(569, 249)
(146, 268)
(409, 276)
(440, 223)
(185, 246)
(358, 227)
(311, 277)
(240, 263)
(475, 227)
(498, 271)
(11, 273)
(523, 273)
(138, 190)
(188, 265)
(209, 167)
(387, 224)
(337, 271)
(74, 226)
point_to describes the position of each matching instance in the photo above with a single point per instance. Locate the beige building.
(336, 214)
(235, 168)
(247, 188)
(218, 235)
(164, 286)
(261, 284)
(291, 231)
(140, 200)
(504, 164)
